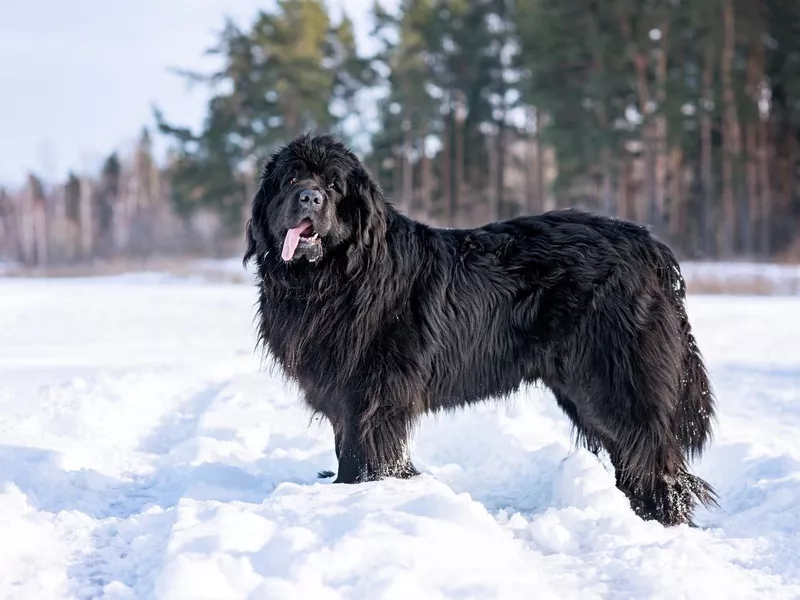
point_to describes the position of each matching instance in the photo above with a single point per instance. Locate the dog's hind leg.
(584, 434)
(624, 370)
(650, 461)
(633, 413)
(656, 480)
(588, 435)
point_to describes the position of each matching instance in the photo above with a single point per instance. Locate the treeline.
(680, 114)
(125, 211)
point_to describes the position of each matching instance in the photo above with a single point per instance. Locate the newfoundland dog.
(380, 319)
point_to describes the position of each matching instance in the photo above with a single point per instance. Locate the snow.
(146, 452)
(766, 278)
(740, 270)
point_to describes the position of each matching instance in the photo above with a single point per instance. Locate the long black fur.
(398, 319)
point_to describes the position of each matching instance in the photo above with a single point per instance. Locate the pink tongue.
(291, 241)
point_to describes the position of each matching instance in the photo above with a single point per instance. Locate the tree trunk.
(648, 199)
(447, 169)
(607, 185)
(751, 210)
(766, 186)
(9, 228)
(606, 174)
(40, 229)
(86, 224)
(660, 133)
(625, 210)
(706, 156)
(60, 228)
(730, 132)
(529, 161)
(677, 221)
(458, 189)
(398, 171)
(407, 170)
(425, 175)
(27, 226)
(788, 197)
(492, 167)
(647, 211)
(495, 212)
(539, 167)
(750, 213)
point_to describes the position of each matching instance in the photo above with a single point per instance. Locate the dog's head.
(315, 197)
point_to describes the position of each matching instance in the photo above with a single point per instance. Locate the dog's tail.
(696, 409)
(695, 412)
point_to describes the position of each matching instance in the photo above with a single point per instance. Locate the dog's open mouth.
(302, 240)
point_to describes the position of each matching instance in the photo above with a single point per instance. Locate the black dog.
(380, 319)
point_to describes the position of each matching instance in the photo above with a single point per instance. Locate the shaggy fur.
(394, 319)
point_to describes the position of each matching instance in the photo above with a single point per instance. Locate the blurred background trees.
(680, 114)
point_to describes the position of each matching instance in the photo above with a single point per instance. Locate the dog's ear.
(375, 214)
(370, 225)
(266, 185)
(255, 220)
(250, 243)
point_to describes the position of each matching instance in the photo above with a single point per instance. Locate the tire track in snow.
(234, 441)
(135, 517)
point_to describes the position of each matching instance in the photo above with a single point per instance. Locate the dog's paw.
(406, 471)
(674, 500)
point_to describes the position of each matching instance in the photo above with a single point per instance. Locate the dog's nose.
(308, 197)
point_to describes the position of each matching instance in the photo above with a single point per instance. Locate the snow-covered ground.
(717, 277)
(145, 454)
(747, 277)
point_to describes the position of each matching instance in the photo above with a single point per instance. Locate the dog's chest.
(310, 334)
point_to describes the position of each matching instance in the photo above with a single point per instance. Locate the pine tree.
(108, 203)
(293, 71)
(409, 113)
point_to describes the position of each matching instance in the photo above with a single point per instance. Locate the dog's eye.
(293, 180)
(331, 186)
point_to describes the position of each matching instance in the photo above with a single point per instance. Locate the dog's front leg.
(374, 445)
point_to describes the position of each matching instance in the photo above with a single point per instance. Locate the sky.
(78, 80)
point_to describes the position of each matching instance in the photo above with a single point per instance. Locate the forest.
(682, 115)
